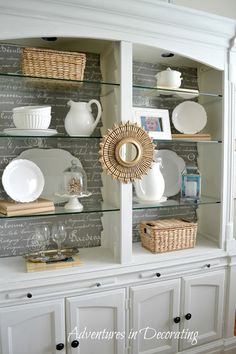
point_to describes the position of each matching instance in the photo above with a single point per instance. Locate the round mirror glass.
(128, 152)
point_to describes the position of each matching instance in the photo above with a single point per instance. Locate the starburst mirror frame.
(126, 152)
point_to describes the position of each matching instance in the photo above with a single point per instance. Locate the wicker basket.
(168, 235)
(53, 64)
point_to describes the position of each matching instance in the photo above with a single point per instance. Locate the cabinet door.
(203, 300)
(33, 328)
(154, 308)
(97, 323)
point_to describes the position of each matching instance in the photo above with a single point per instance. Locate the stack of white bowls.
(32, 117)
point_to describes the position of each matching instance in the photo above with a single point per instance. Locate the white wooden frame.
(155, 122)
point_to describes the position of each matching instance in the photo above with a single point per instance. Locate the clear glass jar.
(191, 183)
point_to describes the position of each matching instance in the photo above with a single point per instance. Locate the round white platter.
(23, 180)
(52, 163)
(189, 117)
(172, 167)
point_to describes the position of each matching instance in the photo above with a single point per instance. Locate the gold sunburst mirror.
(126, 152)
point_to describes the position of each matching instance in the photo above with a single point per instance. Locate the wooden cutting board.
(40, 267)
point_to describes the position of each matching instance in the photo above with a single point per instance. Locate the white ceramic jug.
(79, 120)
(151, 187)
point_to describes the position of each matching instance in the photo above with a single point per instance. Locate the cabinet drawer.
(31, 293)
(162, 273)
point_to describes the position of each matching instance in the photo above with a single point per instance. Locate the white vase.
(151, 187)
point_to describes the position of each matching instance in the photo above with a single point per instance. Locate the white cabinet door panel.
(154, 307)
(94, 321)
(33, 328)
(204, 301)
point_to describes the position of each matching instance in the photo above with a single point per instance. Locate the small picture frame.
(155, 122)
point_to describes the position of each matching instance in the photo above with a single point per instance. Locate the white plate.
(52, 163)
(173, 165)
(23, 180)
(189, 117)
(30, 132)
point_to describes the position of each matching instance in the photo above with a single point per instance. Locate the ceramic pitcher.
(151, 187)
(79, 120)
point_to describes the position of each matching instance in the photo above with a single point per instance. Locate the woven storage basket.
(53, 64)
(168, 235)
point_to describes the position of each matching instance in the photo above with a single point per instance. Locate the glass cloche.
(74, 186)
(75, 180)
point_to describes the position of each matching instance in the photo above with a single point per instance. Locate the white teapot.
(151, 187)
(169, 78)
(79, 120)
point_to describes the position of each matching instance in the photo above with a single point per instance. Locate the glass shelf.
(57, 136)
(65, 136)
(89, 207)
(204, 200)
(64, 81)
(179, 92)
(187, 141)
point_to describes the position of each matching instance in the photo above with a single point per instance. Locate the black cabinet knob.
(208, 265)
(98, 285)
(75, 343)
(177, 320)
(188, 316)
(60, 346)
(158, 275)
(29, 295)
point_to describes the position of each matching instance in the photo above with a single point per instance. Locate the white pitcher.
(79, 120)
(151, 187)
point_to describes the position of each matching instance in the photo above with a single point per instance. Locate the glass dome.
(74, 180)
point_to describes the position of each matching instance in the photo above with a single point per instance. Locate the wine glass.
(41, 238)
(58, 236)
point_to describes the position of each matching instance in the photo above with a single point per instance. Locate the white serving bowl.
(33, 109)
(31, 120)
(32, 117)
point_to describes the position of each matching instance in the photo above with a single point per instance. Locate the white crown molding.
(139, 21)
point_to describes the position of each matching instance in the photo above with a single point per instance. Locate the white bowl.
(33, 109)
(31, 120)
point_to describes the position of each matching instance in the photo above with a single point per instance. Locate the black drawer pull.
(158, 275)
(75, 343)
(177, 320)
(29, 295)
(60, 346)
(188, 316)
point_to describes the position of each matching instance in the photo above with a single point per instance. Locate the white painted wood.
(145, 25)
(34, 328)
(102, 314)
(153, 309)
(204, 300)
(173, 28)
(126, 81)
(230, 307)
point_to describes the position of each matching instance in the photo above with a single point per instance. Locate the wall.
(223, 8)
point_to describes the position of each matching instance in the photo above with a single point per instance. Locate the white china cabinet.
(121, 287)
